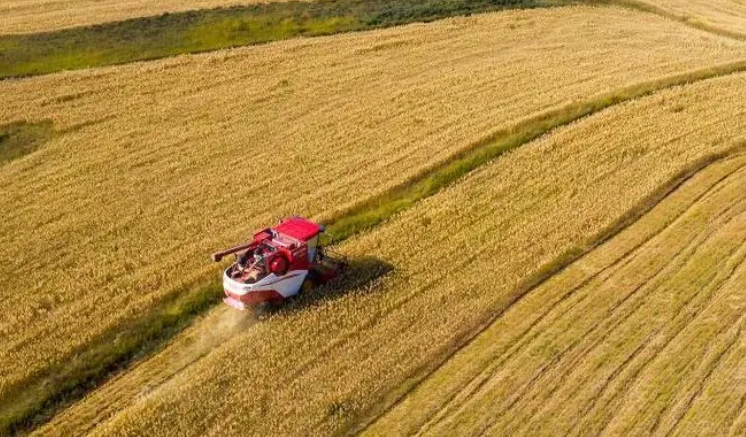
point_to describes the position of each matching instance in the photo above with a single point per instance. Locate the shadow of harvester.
(362, 275)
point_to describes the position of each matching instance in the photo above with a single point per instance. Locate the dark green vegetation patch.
(21, 138)
(198, 31)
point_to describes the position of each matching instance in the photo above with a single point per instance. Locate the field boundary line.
(33, 401)
(643, 6)
(677, 261)
(619, 263)
(374, 210)
(564, 261)
(544, 274)
(159, 36)
(206, 30)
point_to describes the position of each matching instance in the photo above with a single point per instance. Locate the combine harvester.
(278, 263)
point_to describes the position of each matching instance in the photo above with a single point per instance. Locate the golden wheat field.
(640, 337)
(463, 257)
(146, 378)
(27, 16)
(157, 164)
(544, 213)
(726, 15)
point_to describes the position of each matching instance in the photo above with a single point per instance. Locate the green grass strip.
(29, 404)
(211, 29)
(21, 138)
(373, 211)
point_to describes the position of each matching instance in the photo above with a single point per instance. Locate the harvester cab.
(279, 263)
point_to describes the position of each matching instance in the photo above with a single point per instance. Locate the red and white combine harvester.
(278, 263)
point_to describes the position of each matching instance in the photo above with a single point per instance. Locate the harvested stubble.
(157, 164)
(728, 16)
(643, 336)
(462, 256)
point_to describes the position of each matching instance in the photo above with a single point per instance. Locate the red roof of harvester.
(298, 228)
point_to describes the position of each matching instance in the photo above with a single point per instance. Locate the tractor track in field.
(641, 301)
(705, 379)
(688, 318)
(624, 259)
(544, 372)
(703, 306)
(626, 363)
(499, 143)
(647, 360)
(615, 320)
(736, 414)
(592, 402)
(525, 339)
(688, 312)
(614, 374)
(714, 363)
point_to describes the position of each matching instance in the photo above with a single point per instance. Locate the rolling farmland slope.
(154, 165)
(462, 257)
(728, 16)
(643, 336)
(149, 38)
(25, 16)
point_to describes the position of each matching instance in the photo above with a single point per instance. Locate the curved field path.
(642, 336)
(340, 360)
(156, 164)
